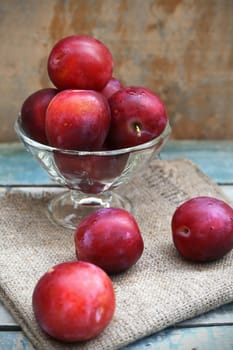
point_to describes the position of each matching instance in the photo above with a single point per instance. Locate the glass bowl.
(89, 177)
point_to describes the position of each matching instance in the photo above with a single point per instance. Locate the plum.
(33, 112)
(137, 116)
(202, 228)
(74, 301)
(109, 238)
(77, 120)
(112, 86)
(80, 62)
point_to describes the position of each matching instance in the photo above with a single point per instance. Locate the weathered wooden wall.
(182, 49)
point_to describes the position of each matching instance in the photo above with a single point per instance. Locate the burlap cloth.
(160, 290)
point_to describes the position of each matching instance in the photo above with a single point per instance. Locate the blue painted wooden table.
(211, 331)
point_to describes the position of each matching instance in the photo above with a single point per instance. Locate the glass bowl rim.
(149, 144)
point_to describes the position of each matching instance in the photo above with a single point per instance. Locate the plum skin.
(112, 86)
(33, 112)
(137, 116)
(77, 120)
(202, 229)
(109, 238)
(80, 62)
(74, 301)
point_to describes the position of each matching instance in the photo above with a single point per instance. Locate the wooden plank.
(199, 338)
(214, 158)
(14, 340)
(220, 316)
(17, 166)
(6, 320)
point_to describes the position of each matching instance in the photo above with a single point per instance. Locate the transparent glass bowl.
(90, 177)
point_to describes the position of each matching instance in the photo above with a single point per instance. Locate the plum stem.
(137, 128)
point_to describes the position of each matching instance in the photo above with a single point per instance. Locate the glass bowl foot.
(68, 209)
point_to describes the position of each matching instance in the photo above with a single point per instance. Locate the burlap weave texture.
(160, 290)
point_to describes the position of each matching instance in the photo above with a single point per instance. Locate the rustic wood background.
(181, 49)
